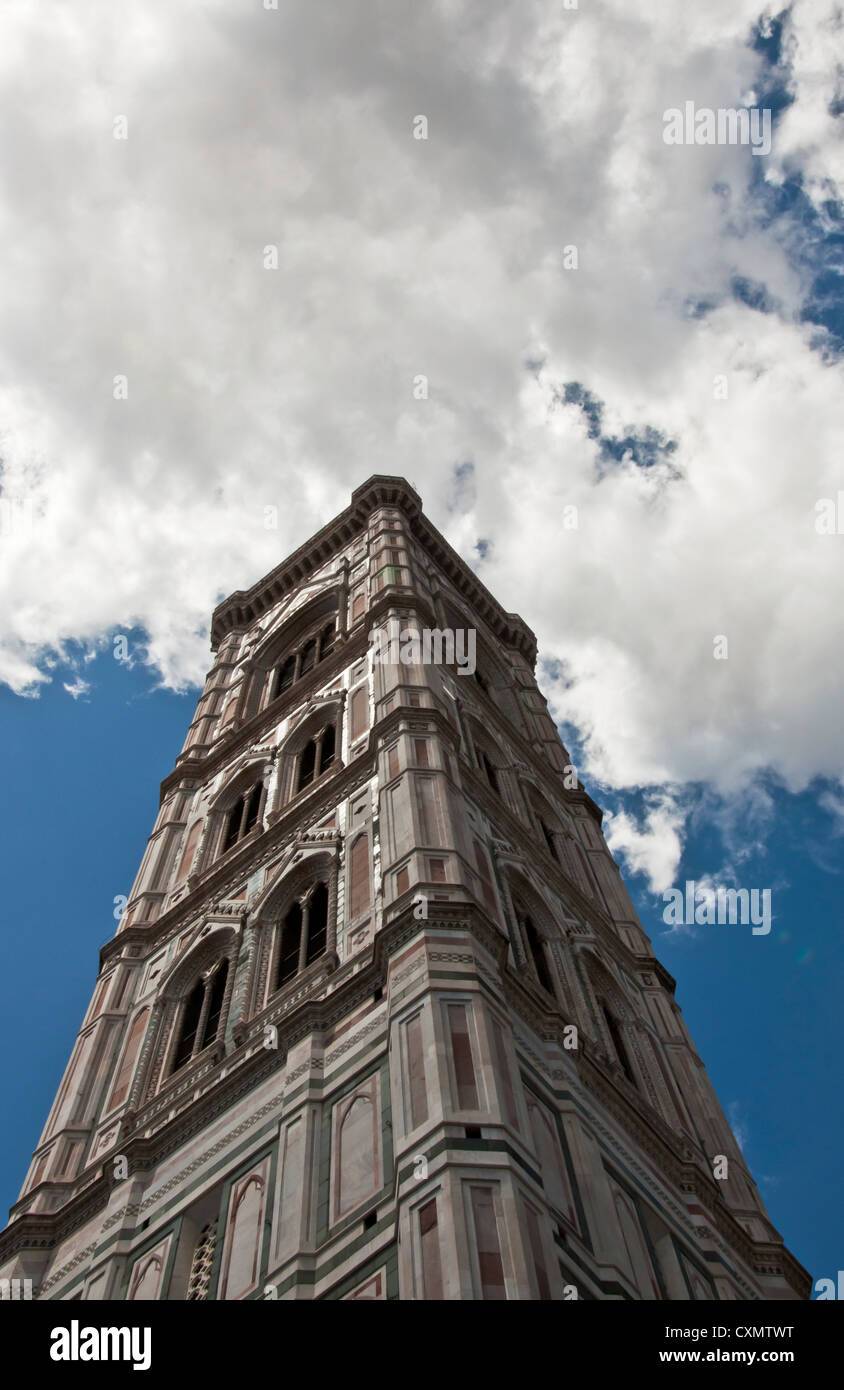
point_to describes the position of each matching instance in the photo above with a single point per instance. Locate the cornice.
(246, 606)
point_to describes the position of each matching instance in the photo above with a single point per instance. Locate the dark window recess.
(317, 756)
(329, 739)
(215, 1006)
(377, 994)
(491, 774)
(307, 766)
(549, 839)
(190, 1023)
(618, 1044)
(291, 936)
(243, 816)
(473, 1131)
(286, 674)
(537, 954)
(253, 804)
(304, 935)
(300, 662)
(369, 1220)
(233, 825)
(317, 923)
(308, 662)
(213, 990)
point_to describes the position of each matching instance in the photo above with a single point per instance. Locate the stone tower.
(380, 1020)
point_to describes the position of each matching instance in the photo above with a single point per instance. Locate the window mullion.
(303, 939)
(203, 1018)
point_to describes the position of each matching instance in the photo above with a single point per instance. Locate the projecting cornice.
(246, 606)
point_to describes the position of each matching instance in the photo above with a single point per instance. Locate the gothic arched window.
(316, 757)
(317, 923)
(490, 773)
(309, 654)
(536, 951)
(243, 816)
(548, 837)
(201, 1015)
(302, 934)
(326, 641)
(302, 660)
(285, 676)
(614, 1030)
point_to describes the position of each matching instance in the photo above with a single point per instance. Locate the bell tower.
(380, 1020)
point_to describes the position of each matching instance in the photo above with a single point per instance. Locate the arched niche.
(295, 883)
(290, 641)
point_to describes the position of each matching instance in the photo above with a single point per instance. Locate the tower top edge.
(244, 606)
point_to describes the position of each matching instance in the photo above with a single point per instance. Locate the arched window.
(291, 940)
(285, 676)
(303, 934)
(536, 951)
(299, 662)
(309, 652)
(243, 816)
(490, 773)
(201, 1015)
(317, 923)
(189, 1025)
(326, 641)
(548, 837)
(216, 995)
(316, 757)
(621, 1052)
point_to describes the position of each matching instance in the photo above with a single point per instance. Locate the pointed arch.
(295, 919)
(293, 648)
(490, 760)
(614, 1011)
(192, 1007)
(236, 811)
(535, 927)
(311, 750)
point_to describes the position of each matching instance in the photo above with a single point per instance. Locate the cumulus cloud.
(652, 847)
(670, 388)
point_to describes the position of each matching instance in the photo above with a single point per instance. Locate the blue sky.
(763, 1011)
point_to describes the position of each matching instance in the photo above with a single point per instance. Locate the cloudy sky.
(153, 152)
(228, 258)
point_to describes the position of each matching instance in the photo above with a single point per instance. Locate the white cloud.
(77, 688)
(250, 388)
(654, 847)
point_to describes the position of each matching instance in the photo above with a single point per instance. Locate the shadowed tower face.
(380, 1020)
